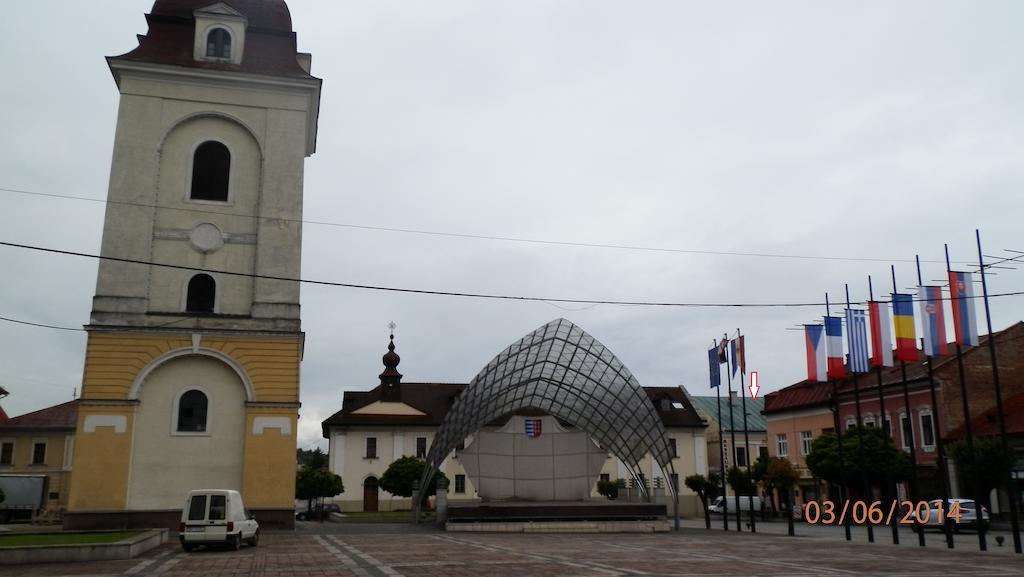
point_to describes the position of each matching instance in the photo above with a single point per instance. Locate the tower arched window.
(201, 294)
(192, 410)
(211, 169)
(218, 44)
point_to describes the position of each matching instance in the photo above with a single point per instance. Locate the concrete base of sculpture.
(557, 517)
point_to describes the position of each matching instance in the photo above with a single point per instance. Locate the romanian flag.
(881, 339)
(903, 320)
(814, 339)
(965, 324)
(933, 322)
(834, 345)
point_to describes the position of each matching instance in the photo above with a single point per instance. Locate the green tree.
(875, 458)
(609, 489)
(706, 489)
(398, 479)
(315, 459)
(775, 474)
(313, 483)
(740, 481)
(987, 466)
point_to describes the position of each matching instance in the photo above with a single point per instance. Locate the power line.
(45, 326)
(438, 293)
(522, 240)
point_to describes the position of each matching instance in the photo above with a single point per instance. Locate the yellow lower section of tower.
(125, 430)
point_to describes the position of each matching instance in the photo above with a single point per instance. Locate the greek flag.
(857, 340)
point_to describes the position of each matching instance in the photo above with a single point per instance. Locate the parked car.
(967, 512)
(319, 511)
(216, 517)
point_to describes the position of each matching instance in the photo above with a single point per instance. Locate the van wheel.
(255, 539)
(235, 543)
(188, 547)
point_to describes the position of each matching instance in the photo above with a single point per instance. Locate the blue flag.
(732, 357)
(716, 373)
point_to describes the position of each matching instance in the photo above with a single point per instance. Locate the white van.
(216, 516)
(719, 502)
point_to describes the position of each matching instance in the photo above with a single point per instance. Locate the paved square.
(370, 551)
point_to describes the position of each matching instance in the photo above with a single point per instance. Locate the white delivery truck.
(216, 516)
(23, 496)
(718, 505)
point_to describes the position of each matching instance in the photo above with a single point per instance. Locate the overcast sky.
(869, 130)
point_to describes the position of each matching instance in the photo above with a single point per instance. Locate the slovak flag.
(965, 324)
(533, 428)
(834, 344)
(933, 322)
(814, 339)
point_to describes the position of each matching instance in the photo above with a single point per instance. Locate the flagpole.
(936, 430)
(746, 442)
(843, 493)
(1011, 487)
(982, 542)
(865, 486)
(910, 420)
(721, 446)
(732, 434)
(890, 483)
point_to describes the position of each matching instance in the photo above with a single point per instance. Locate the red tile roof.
(434, 399)
(987, 424)
(62, 416)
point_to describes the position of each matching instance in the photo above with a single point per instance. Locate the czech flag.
(814, 339)
(965, 324)
(881, 339)
(834, 344)
(933, 322)
(903, 320)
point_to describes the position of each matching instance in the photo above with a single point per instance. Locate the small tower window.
(202, 293)
(218, 44)
(192, 408)
(211, 168)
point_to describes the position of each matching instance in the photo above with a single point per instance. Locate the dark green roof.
(707, 407)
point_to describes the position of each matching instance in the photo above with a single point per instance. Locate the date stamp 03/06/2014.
(879, 513)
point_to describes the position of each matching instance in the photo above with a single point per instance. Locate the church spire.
(391, 379)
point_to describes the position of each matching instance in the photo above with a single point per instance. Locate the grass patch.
(27, 539)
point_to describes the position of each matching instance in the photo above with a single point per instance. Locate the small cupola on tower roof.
(391, 379)
(220, 34)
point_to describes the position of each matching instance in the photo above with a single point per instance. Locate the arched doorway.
(370, 494)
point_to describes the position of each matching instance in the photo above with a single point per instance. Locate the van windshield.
(197, 508)
(218, 507)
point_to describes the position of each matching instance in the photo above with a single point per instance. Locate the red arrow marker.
(753, 385)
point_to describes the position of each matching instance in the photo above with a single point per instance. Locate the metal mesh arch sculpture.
(565, 372)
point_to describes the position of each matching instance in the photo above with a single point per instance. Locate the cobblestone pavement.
(392, 553)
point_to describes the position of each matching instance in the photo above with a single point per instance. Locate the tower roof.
(269, 14)
(270, 45)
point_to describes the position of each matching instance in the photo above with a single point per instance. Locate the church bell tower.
(191, 375)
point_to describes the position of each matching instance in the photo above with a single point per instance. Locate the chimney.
(732, 398)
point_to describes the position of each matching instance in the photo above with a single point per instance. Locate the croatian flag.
(933, 322)
(716, 369)
(814, 339)
(834, 344)
(903, 320)
(533, 428)
(857, 340)
(965, 324)
(881, 339)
